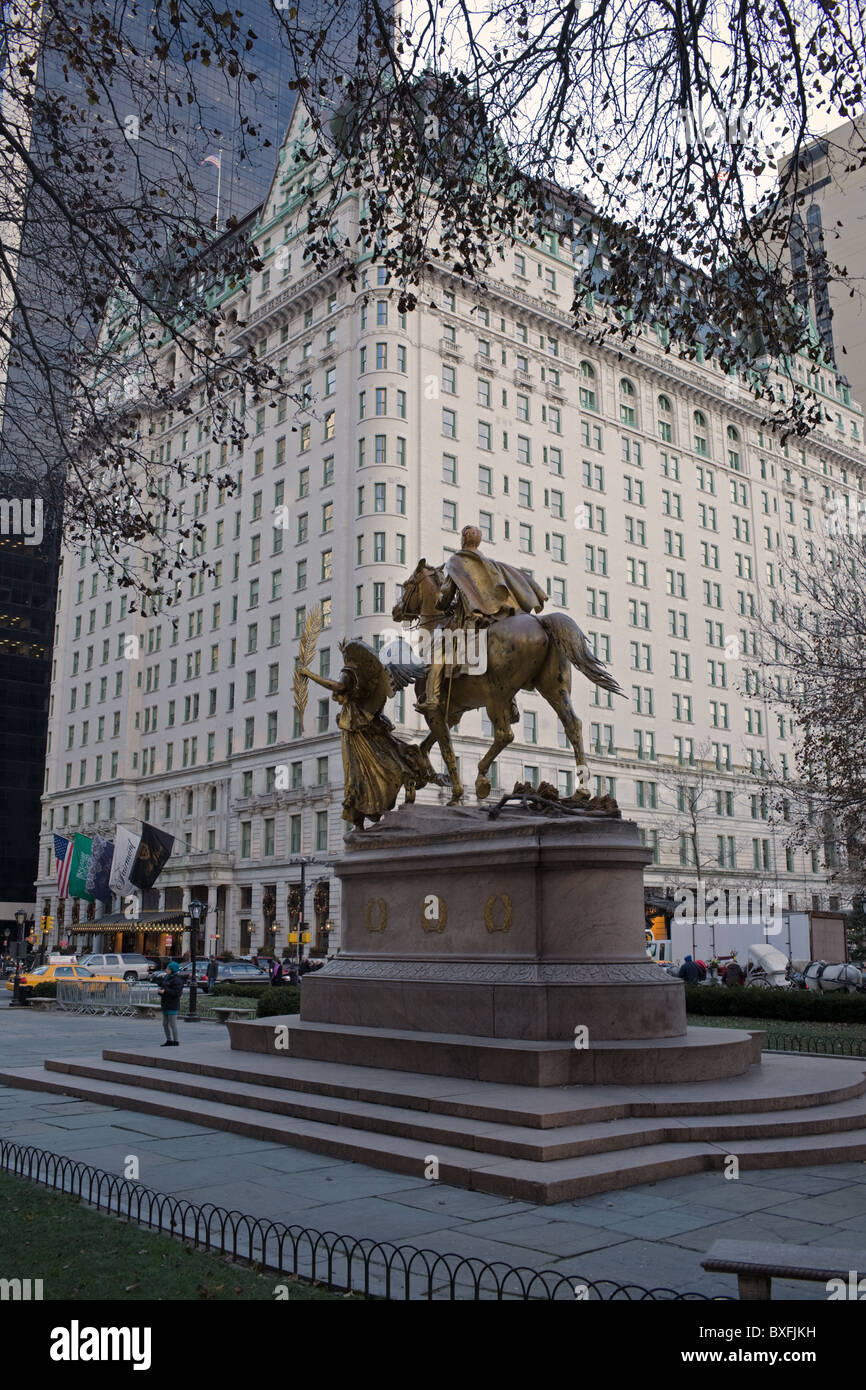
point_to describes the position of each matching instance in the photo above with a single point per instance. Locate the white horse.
(826, 979)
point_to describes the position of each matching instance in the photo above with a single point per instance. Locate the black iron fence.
(344, 1264)
(825, 1046)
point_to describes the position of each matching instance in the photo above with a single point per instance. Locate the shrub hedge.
(776, 1003)
(244, 991)
(47, 990)
(279, 999)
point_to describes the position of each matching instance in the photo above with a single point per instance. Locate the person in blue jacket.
(169, 997)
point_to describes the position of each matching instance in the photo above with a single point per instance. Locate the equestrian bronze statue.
(491, 608)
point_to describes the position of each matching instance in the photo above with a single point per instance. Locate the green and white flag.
(82, 846)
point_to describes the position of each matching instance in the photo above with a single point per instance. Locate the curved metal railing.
(345, 1264)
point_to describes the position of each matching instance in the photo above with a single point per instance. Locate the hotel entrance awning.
(172, 920)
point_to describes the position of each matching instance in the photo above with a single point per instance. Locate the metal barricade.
(143, 994)
(95, 996)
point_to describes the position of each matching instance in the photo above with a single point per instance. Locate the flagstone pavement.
(652, 1235)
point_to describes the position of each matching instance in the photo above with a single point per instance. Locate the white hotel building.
(638, 488)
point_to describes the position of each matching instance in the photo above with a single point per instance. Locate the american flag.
(215, 159)
(63, 857)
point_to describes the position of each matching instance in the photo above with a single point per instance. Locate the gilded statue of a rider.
(477, 592)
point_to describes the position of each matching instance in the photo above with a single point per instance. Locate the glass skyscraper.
(233, 121)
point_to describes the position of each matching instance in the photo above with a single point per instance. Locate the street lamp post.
(17, 997)
(303, 910)
(197, 915)
(303, 861)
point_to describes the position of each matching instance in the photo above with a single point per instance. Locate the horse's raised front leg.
(501, 720)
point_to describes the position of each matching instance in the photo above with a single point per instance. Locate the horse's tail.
(569, 640)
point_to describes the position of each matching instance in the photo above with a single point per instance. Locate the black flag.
(152, 857)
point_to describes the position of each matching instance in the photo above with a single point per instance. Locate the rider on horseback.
(477, 592)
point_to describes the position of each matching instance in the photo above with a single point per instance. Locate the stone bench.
(48, 1005)
(228, 1014)
(756, 1264)
(147, 1010)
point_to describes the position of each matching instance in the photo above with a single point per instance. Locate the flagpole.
(219, 185)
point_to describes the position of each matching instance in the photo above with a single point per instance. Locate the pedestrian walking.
(212, 973)
(169, 997)
(276, 972)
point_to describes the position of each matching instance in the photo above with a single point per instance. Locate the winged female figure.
(376, 763)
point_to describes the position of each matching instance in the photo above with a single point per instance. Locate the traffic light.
(49, 923)
(42, 920)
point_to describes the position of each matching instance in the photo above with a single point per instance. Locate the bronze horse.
(524, 652)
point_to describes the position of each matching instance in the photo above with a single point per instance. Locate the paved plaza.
(652, 1235)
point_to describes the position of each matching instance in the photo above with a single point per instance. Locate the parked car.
(240, 972)
(235, 971)
(185, 973)
(45, 974)
(120, 967)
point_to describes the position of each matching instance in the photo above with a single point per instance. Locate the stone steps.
(700, 1054)
(512, 1140)
(397, 1122)
(780, 1083)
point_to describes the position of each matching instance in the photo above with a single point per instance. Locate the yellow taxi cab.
(68, 970)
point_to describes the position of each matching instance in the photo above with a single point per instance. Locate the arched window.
(627, 402)
(588, 398)
(665, 420)
(734, 448)
(702, 439)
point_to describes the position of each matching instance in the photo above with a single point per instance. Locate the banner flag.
(125, 849)
(100, 869)
(153, 854)
(63, 856)
(81, 851)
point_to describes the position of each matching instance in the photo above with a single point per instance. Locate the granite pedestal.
(511, 949)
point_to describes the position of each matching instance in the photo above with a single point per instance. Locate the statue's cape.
(491, 588)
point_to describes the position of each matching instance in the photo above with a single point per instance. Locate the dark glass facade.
(28, 582)
(148, 156)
